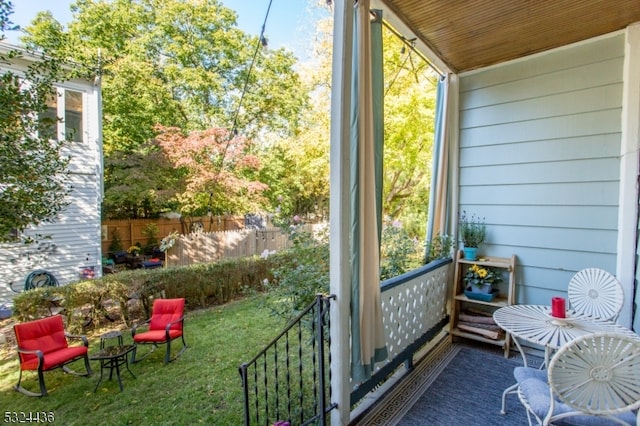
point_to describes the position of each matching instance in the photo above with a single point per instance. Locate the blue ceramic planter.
(470, 253)
(485, 297)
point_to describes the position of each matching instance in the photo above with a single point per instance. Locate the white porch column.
(629, 149)
(339, 202)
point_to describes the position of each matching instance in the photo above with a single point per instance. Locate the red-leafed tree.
(175, 63)
(220, 170)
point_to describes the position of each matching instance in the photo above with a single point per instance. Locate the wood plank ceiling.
(470, 34)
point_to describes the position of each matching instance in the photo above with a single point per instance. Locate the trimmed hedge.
(126, 296)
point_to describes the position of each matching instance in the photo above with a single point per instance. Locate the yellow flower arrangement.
(478, 276)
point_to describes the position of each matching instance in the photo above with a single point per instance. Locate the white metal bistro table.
(535, 324)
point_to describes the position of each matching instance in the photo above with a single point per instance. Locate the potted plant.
(481, 279)
(151, 232)
(134, 250)
(473, 232)
(116, 244)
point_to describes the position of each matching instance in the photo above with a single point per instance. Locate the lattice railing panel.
(413, 307)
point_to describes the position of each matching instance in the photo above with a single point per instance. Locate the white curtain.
(438, 195)
(367, 330)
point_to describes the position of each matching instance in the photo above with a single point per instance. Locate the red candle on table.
(558, 308)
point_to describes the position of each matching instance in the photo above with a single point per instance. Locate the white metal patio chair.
(597, 293)
(593, 380)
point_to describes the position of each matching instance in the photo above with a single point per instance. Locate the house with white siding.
(69, 246)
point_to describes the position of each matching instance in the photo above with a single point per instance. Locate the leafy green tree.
(33, 169)
(175, 63)
(409, 103)
(296, 171)
(410, 89)
(297, 168)
(297, 282)
(399, 252)
(143, 183)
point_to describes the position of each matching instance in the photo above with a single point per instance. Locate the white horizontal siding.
(82, 159)
(539, 156)
(75, 233)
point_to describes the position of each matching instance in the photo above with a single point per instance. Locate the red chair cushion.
(156, 336)
(55, 359)
(166, 311)
(46, 335)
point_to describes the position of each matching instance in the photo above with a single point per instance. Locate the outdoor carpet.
(468, 392)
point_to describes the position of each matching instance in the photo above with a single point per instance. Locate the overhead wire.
(262, 42)
(234, 129)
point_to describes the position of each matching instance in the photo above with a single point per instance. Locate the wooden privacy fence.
(207, 247)
(131, 231)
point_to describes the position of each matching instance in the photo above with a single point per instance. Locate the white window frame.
(61, 93)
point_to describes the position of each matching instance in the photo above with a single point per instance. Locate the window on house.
(67, 104)
(49, 119)
(14, 234)
(73, 115)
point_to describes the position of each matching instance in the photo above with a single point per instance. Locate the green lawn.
(202, 386)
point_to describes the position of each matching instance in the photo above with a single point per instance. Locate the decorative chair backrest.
(597, 374)
(597, 293)
(46, 334)
(165, 311)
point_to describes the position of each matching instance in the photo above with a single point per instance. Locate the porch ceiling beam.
(391, 18)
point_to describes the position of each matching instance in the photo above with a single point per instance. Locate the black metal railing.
(289, 379)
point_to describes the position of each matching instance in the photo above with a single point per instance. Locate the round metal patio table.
(535, 324)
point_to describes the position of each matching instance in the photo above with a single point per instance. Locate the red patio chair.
(166, 324)
(43, 346)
